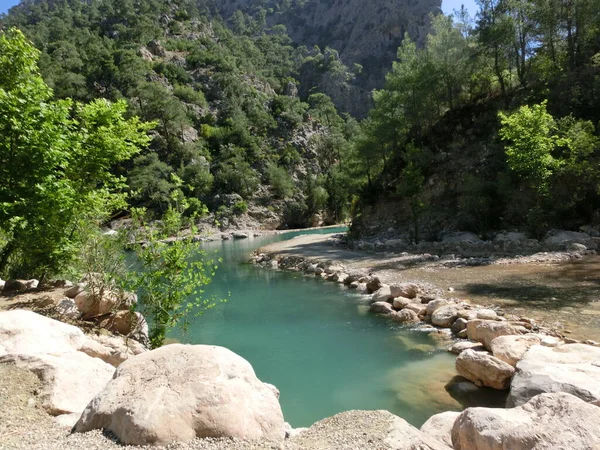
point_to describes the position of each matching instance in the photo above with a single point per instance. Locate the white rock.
(461, 346)
(445, 316)
(383, 294)
(111, 349)
(75, 290)
(69, 381)
(440, 427)
(311, 269)
(511, 349)
(548, 422)
(381, 308)
(193, 391)
(436, 304)
(485, 331)
(25, 332)
(407, 290)
(484, 369)
(487, 314)
(92, 306)
(571, 368)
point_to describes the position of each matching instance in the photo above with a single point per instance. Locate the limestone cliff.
(364, 32)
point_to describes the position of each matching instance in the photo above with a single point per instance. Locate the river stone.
(485, 331)
(556, 421)
(67, 308)
(571, 368)
(407, 290)
(511, 349)
(25, 332)
(401, 303)
(354, 285)
(374, 284)
(459, 325)
(559, 237)
(382, 308)
(406, 316)
(191, 391)
(92, 305)
(68, 381)
(486, 314)
(436, 304)
(416, 307)
(445, 316)
(484, 369)
(312, 268)
(461, 346)
(379, 430)
(333, 269)
(383, 294)
(440, 426)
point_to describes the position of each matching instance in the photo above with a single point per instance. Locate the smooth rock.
(576, 247)
(402, 302)
(381, 308)
(312, 268)
(461, 346)
(440, 426)
(558, 237)
(445, 316)
(383, 294)
(511, 349)
(459, 325)
(193, 391)
(25, 332)
(486, 314)
(406, 316)
(407, 290)
(548, 422)
(111, 349)
(92, 306)
(416, 307)
(484, 370)
(374, 284)
(128, 324)
(571, 368)
(485, 331)
(69, 381)
(354, 430)
(436, 304)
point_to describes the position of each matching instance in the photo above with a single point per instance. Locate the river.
(317, 343)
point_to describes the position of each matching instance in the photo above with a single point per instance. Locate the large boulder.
(75, 290)
(374, 284)
(190, 391)
(445, 316)
(571, 368)
(94, 305)
(548, 422)
(485, 331)
(127, 323)
(68, 381)
(25, 332)
(561, 237)
(436, 304)
(363, 430)
(440, 426)
(512, 348)
(484, 369)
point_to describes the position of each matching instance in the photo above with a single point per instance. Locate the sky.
(6, 4)
(447, 5)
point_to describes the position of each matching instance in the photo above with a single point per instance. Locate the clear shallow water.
(316, 342)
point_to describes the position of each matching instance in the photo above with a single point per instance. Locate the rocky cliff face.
(364, 32)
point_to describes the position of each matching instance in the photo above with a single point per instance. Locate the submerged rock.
(194, 391)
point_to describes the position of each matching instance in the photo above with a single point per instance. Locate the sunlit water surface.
(316, 342)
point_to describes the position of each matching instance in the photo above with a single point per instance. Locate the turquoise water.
(316, 342)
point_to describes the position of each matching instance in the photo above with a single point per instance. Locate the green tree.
(55, 163)
(531, 139)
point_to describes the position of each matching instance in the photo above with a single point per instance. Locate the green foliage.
(530, 133)
(240, 208)
(280, 181)
(170, 278)
(55, 163)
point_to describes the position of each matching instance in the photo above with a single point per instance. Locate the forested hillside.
(232, 136)
(492, 125)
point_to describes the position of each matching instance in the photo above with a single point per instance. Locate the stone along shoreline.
(64, 389)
